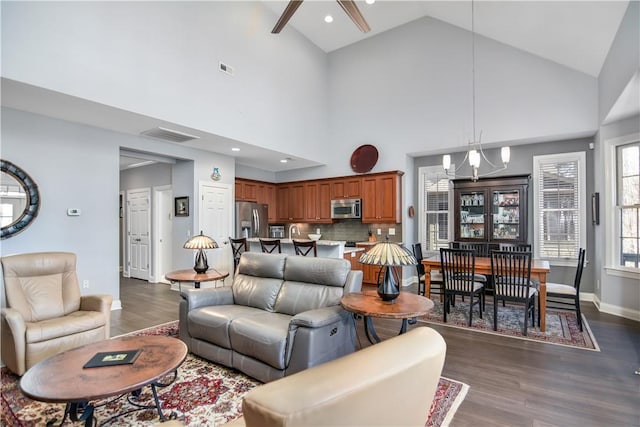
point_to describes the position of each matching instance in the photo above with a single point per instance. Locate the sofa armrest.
(196, 298)
(318, 318)
(101, 303)
(13, 332)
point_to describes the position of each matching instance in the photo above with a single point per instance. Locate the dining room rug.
(562, 326)
(204, 394)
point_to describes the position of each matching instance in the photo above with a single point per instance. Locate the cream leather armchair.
(45, 312)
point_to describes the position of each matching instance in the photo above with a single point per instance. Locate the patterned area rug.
(562, 326)
(204, 394)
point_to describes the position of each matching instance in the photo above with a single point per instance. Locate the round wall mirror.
(19, 199)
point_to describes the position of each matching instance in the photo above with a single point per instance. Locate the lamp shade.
(200, 241)
(388, 253)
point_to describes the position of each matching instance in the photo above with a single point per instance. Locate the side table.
(369, 304)
(180, 276)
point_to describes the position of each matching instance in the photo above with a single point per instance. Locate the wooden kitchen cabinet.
(290, 202)
(317, 201)
(245, 190)
(346, 188)
(353, 257)
(266, 194)
(381, 198)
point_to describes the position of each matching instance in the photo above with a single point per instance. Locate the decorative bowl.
(314, 236)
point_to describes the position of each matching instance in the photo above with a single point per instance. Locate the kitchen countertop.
(290, 242)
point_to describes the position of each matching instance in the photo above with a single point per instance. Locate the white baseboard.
(617, 310)
(116, 305)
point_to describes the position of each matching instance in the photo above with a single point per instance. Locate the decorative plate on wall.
(364, 158)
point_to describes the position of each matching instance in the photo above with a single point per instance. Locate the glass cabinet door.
(506, 214)
(472, 215)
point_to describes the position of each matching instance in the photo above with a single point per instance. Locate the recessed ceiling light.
(283, 160)
(328, 19)
(369, 1)
(235, 149)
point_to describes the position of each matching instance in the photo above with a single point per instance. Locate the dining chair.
(238, 246)
(521, 247)
(305, 247)
(567, 296)
(458, 272)
(511, 272)
(270, 245)
(480, 250)
(436, 276)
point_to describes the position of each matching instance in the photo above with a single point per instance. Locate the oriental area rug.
(204, 394)
(562, 326)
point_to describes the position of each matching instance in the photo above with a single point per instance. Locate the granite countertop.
(349, 250)
(290, 242)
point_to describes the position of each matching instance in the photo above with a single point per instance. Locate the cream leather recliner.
(45, 312)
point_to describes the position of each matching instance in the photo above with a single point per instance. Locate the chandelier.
(474, 152)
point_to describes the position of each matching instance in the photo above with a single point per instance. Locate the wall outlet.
(85, 284)
(392, 232)
(317, 231)
(379, 231)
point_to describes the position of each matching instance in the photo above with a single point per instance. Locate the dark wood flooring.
(512, 382)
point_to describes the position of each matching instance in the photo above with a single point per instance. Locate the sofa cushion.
(262, 337)
(259, 264)
(296, 297)
(76, 322)
(321, 271)
(258, 279)
(211, 324)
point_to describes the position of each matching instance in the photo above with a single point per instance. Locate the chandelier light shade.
(201, 242)
(474, 152)
(388, 254)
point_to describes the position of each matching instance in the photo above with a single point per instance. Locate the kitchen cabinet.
(491, 210)
(290, 202)
(346, 188)
(381, 198)
(245, 190)
(317, 202)
(370, 272)
(353, 257)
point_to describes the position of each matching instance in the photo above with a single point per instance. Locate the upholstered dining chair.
(567, 296)
(511, 272)
(238, 246)
(45, 313)
(270, 245)
(305, 247)
(458, 271)
(436, 275)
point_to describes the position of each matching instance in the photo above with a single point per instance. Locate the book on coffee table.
(111, 358)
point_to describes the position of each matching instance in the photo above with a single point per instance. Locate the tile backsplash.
(349, 229)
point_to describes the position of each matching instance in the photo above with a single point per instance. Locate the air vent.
(169, 135)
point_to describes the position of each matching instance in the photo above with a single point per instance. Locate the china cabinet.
(491, 209)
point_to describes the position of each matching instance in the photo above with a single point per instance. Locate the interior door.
(139, 225)
(216, 222)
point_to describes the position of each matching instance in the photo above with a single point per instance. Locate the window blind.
(436, 209)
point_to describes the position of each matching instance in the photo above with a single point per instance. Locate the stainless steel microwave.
(346, 208)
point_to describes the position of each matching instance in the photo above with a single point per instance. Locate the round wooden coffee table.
(191, 276)
(369, 304)
(62, 378)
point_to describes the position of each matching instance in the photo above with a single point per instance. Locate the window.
(559, 206)
(628, 204)
(434, 208)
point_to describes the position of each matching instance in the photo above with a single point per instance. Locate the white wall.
(160, 59)
(77, 166)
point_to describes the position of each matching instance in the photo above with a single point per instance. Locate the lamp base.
(388, 290)
(201, 265)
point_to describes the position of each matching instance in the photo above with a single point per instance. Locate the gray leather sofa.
(281, 315)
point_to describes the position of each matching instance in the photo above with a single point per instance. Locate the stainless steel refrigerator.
(252, 219)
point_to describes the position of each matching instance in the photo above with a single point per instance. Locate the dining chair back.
(568, 296)
(238, 246)
(517, 247)
(436, 276)
(511, 271)
(305, 247)
(270, 245)
(458, 272)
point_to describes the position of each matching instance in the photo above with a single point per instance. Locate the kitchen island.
(326, 248)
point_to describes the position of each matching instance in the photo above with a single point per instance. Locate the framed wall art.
(181, 206)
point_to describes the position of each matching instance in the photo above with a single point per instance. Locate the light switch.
(73, 212)
(392, 232)
(379, 231)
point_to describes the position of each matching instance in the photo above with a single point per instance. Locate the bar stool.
(304, 247)
(270, 245)
(238, 246)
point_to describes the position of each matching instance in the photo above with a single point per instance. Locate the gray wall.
(522, 163)
(145, 176)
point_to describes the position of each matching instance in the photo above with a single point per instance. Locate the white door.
(216, 222)
(139, 225)
(163, 220)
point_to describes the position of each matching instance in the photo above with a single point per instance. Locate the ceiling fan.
(349, 6)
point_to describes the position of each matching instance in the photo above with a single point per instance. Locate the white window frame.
(422, 223)
(580, 157)
(612, 219)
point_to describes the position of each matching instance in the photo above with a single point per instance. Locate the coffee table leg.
(403, 328)
(370, 331)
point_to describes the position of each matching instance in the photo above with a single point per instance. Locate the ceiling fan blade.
(286, 15)
(350, 7)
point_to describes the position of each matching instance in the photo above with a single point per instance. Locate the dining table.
(539, 270)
